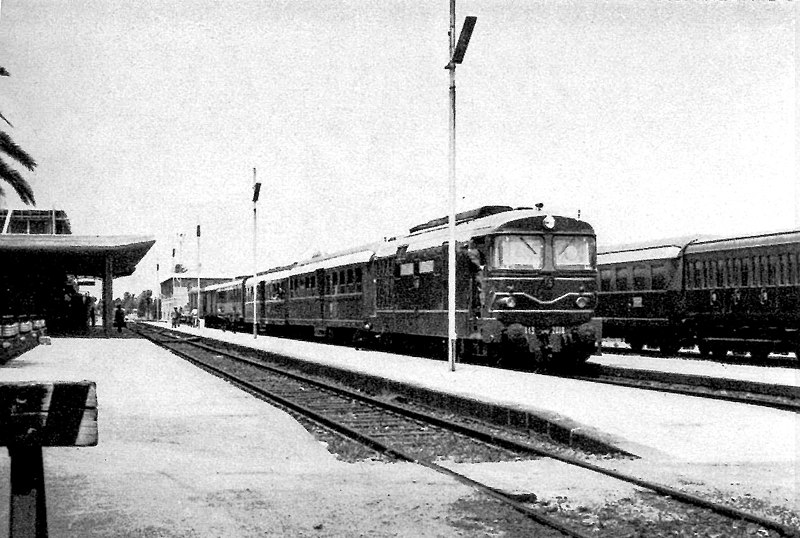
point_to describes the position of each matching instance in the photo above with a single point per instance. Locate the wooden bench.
(35, 415)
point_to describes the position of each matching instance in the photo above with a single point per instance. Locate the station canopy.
(80, 255)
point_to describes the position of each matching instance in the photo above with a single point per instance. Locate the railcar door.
(320, 278)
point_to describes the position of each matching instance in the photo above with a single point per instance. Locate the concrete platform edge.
(558, 428)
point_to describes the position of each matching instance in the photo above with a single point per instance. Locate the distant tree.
(144, 302)
(8, 174)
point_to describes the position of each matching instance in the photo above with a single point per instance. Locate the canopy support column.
(108, 295)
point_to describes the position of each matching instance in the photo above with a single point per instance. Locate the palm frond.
(5, 119)
(17, 182)
(10, 148)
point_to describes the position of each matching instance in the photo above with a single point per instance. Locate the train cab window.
(623, 275)
(518, 252)
(659, 277)
(426, 267)
(573, 252)
(407, 269)
(605, 279)
(640, 277)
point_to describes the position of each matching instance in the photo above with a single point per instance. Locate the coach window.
(659, 277)
(605, 279)
(698, 275)
(719, 273)
(747, 272)
(407, 269)
(335, 288)
(426, 267)
(772, 268)
(313, 282)
(350, 280)
(622, 278)
(358, 278)
(782, 280)
(640, 277)
(729, 273)
(342, 282)
(689, 275)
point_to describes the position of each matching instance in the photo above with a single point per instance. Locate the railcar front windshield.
(518, 252)
(573, 252)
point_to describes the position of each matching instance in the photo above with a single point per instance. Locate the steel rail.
(506, 443)
(371, 442)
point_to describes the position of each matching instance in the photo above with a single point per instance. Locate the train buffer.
(34, 415)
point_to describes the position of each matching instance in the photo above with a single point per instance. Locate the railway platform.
(675, 437)
(182, 453)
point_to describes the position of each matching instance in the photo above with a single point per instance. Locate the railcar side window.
(518, 252)
(407, 269)
(659, 277)
(698, 275)
(640, 277)
(773, 270)
(426, 267)
(623, 274)
(573, 252)
(358, 278)
(605, 280)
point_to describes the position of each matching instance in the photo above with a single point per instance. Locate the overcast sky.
(653, 118)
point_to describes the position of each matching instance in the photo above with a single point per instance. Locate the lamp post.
(256, 191)
(457, 51)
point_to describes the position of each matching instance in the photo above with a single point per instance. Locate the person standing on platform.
(119, 318)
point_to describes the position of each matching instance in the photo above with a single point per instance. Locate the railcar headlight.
(582, 302)
(508, 302)
(549, 222)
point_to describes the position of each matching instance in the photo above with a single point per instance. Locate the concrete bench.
(35, 415)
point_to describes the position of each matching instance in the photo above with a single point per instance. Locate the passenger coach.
(735, 294)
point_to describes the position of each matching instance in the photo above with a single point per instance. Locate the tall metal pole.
(451, 253)
(255, 246)
(196, 319)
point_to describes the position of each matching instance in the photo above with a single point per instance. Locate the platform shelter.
(31, 262)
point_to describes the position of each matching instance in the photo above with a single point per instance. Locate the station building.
(179, 291)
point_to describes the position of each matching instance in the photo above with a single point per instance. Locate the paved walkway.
(182, 453)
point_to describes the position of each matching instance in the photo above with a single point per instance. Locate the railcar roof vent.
(464, 216)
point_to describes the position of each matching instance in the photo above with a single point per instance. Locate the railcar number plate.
(554, 330)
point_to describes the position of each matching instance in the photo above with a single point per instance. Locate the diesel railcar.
(525, 289)
(737, 294)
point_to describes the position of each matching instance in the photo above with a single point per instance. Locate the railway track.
(400, 432)
(732, 390)
(774, 360)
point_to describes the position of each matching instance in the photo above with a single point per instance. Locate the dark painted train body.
(525, 288)
(736, 294)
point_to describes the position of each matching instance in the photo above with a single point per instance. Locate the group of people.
(177, 315)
